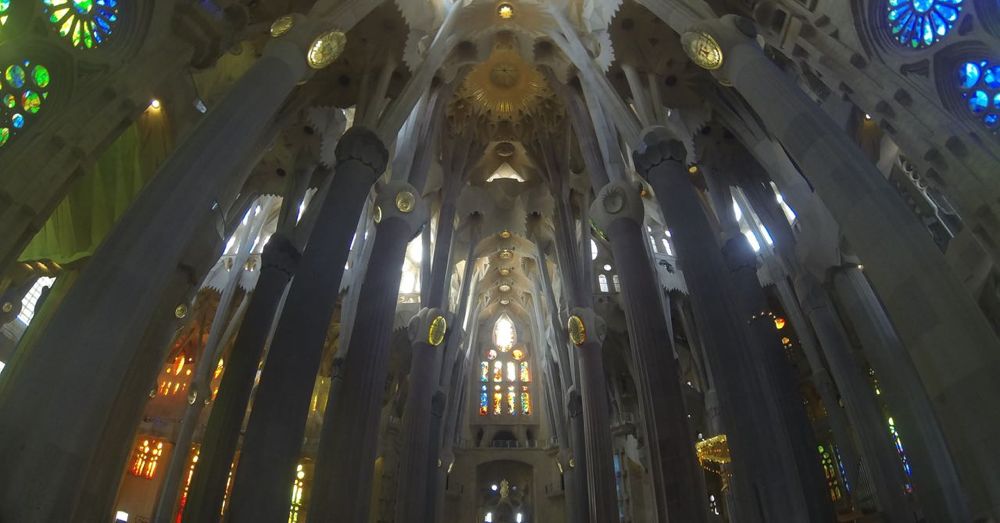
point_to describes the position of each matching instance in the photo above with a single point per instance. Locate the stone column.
(348, 441)
(118, 287)
(925, 299)
(764, 487)
(587, 331)
(576, 495)
(277, 422)
(427, 332)
(935, 479)
(208, 485)
(677, 478)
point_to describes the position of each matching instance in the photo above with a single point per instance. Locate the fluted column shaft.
(763, 488)
(119, 287)
(208, 485)
(577, 495)
(277, 422)
(348, 441)
(678, 480)
(926, 300)
(411, 494)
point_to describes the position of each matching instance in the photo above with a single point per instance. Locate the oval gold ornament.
(326, 48)
(282, 25)
(405, 201)
(703, 50)
(577, 330)
(377, 214)
(181, 311)
(437, 330)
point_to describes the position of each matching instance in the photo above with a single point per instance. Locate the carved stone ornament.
(703, 50)
(405, 201)
(437, 330)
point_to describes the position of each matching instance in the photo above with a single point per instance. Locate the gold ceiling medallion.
(504, 87)
(703, 50)
(377, 214)
(437, 330)
(577, 330)
(504, 271)
(326, 48)
(8, 306)
(405, 201)
(506, 254)
(505, 234)
(504, 288)
(282, 25)
(505, 11)
(181, 311)
(505, 301)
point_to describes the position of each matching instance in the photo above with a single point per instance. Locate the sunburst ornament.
(504, 86)
(86, 23)
(703, 50)
(436, 331)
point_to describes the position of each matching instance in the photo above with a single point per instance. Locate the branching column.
(46, 457)
(678, 480)
(764, 487)
(348, 441)
(277, 422)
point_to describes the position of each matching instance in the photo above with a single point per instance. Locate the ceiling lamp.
(505, 11)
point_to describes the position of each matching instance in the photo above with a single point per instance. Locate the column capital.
(400, 201)
(363, 146)
(586, 328)
(618, 200)
(429, 327)
(657, 146)
(280, 254)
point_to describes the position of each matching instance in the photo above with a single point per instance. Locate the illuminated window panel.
(298, 488)
(484, 402)
(830, 473)
(497, 402)
(146, 458)
(504, 333)
(187, 481)
(31, 299)
(491, 354)
(920, 23)
(4, 7)
(511, 400)
(511, 371)
(498, 371)
(903, 458)
(85, 23)
(525, 374)
(979, 84)
(484, 371)
(518, 354)
(525, 401)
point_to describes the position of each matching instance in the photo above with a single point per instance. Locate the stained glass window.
(497, 401)
(23, 90)
(511, 400)
(525, 375)
(511, 371)
(4, 7)
(484, 402)
(903, 458)
(85, 23)
(518, 354)
(525, 400)
(485, 372)
(146, 457)
(602, 282)
(504, 333)
(492, 354)
(497, 371)
(830, 472)
(979, 83)
(298, 488)
(920, 23)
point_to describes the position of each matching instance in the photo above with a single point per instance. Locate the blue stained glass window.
(23, 90)
(920, 23)
(979, 84)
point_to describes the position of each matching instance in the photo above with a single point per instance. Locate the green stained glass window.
(4, 13)
(23, 91)
(85, 23)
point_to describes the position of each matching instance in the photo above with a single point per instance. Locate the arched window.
(85, 23)
(617, 283)
(979, 83)
(505, 374)
(23, 90)
(921, 23)
(602, 282)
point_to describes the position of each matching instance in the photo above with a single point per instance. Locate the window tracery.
(979, 84)
(85, 23)
(23, 91)
(504, 375)
(920, 23)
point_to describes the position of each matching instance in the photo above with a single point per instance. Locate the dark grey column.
(600, 474)
(678, 480)
(576, 491)
(208, 485)
(46, 456)
(935, 479)
(776, 373)
(926, 300)
(348, 441)
(764, 487)
(277, 422)
(427, 332)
